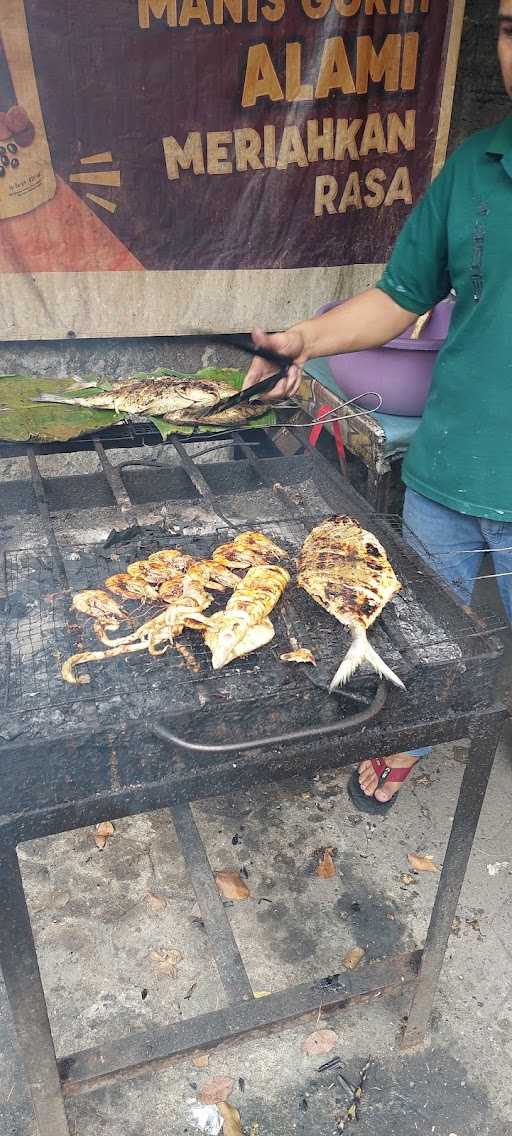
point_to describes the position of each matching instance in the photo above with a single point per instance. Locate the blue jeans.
(453, 545)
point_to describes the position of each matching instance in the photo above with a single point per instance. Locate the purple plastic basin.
(400, 371)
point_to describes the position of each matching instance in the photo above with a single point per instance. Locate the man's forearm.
(368, 320)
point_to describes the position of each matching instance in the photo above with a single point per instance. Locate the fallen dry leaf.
(255, 1128)
(301, 655)
(422, 863)
(166, 961)
(216, 1090)
(456, 926)
(156, 902)
(262, 993)
(326, 866)
(102, 832)
(352, 958)
(406, 880)
(231, 886)
(320, 1042)
(201, 1060)
(105, 828)
(231, 1118)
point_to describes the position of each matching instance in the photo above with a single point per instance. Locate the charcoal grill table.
(71, 756)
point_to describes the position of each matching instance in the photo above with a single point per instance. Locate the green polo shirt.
(460, 236)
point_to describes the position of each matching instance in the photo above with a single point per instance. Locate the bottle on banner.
(26, 172)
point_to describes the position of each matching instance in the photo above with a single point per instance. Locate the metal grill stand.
(456, 704)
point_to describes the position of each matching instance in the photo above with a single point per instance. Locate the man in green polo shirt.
(458, 471)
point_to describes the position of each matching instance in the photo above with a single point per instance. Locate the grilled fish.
(176, 399)
(243, 625)
(231, 416)
(346, 570)
(248, 549)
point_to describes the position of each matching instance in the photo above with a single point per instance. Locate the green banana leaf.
(23, 421)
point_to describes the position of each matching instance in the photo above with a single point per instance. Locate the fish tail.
(361, 651)
(57, 398)
(81, 384)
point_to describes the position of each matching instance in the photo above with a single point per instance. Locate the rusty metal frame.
(50, 1081)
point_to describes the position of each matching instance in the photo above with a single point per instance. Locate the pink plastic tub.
(400, 371)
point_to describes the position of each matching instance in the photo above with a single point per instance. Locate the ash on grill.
(40, 630)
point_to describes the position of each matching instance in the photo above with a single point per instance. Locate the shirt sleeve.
(417, 276)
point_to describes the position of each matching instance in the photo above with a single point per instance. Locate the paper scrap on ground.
(493, 869)
(205, 1118)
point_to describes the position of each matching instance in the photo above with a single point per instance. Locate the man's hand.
(366, 321)
(290, 343)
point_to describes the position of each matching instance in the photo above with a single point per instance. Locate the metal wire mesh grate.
(41, 630)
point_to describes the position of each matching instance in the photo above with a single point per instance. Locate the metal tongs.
(282, 362)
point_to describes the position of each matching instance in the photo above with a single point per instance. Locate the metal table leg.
(18, 961)
(378, 490)
(465, 821)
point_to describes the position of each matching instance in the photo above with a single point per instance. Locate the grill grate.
(419, 628)
(41, 630)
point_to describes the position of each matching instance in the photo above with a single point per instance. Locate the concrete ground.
(96, 931)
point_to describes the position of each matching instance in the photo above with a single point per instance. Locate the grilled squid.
(169, 560)
(244, 626)
(100, 606)
(155, 637)
(131, 586)
(248, 549)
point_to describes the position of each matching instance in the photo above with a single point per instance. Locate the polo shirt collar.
(501, 141)
(501, 144)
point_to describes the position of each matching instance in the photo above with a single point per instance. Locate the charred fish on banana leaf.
(174, 398)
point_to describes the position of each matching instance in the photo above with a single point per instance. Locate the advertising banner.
(181, 166)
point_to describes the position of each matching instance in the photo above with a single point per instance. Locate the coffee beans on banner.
(17, 119)
(26, 137)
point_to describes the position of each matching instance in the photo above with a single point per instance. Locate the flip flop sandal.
(370, 804)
